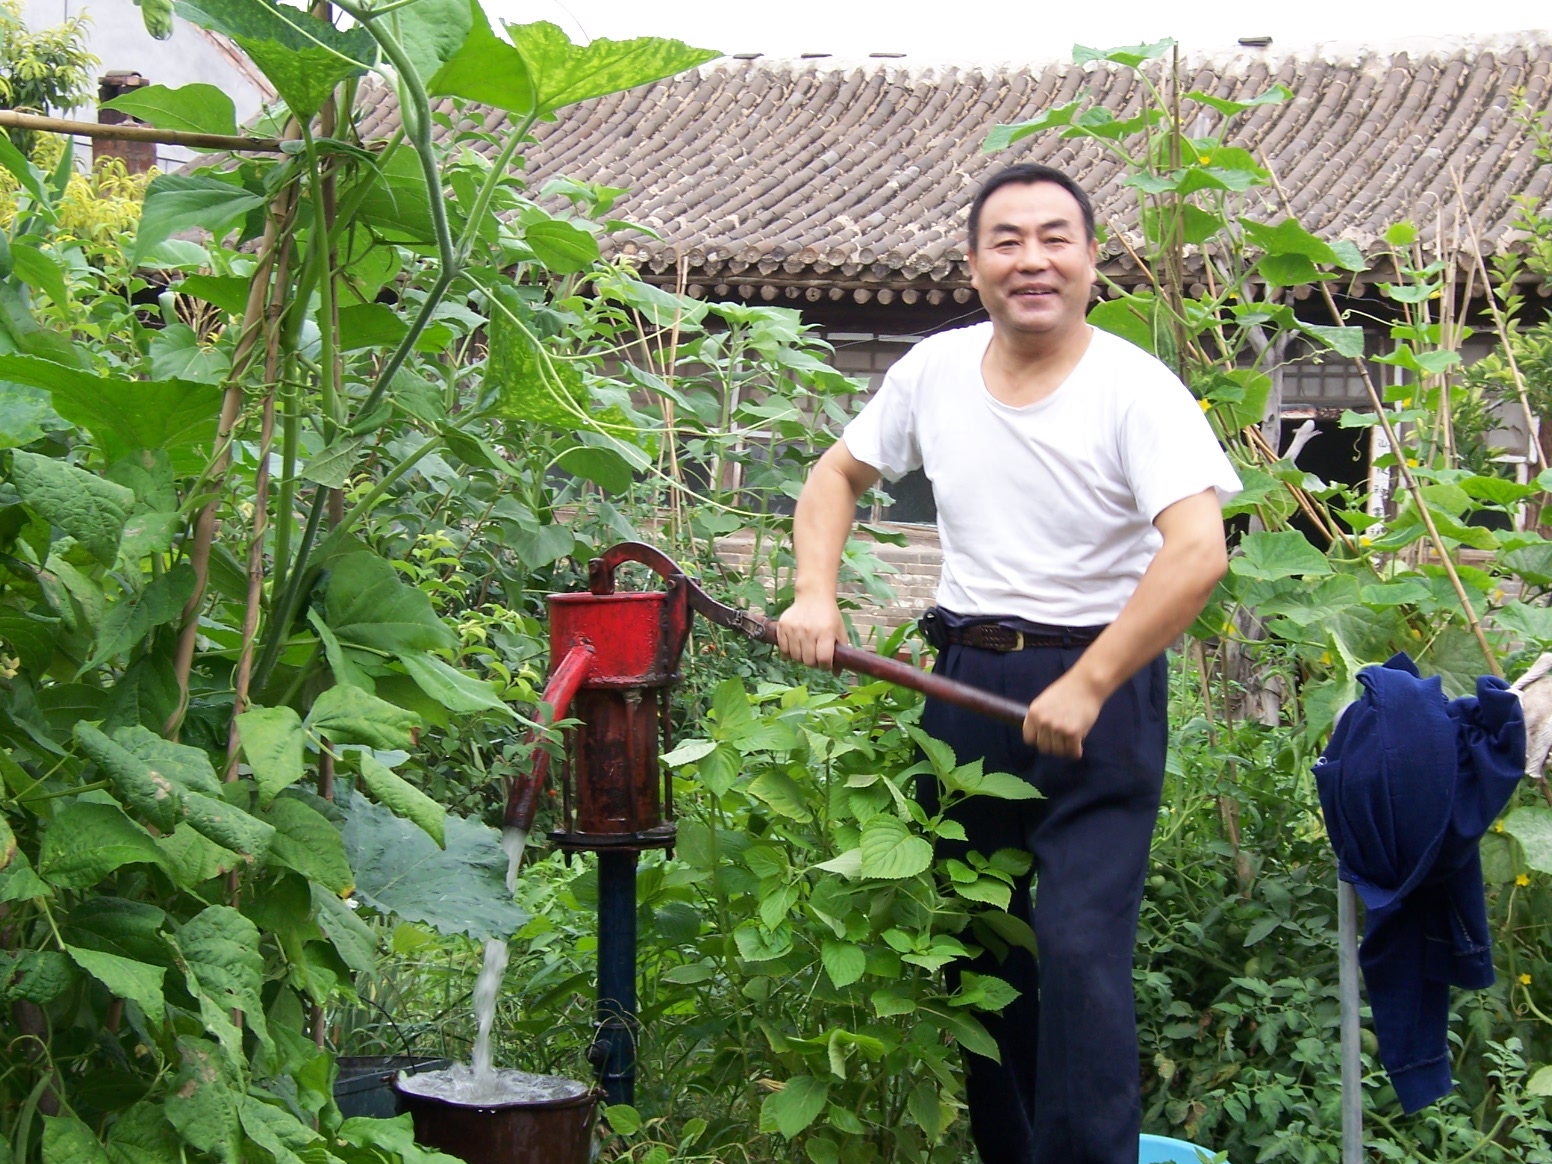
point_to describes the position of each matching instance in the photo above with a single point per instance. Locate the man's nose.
(1032, 257)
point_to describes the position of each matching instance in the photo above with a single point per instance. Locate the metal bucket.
(554, 1131)
(364, 1086)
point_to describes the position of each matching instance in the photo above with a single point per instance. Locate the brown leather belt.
(991, 636)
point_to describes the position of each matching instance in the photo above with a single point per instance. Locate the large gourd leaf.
(542, 71)
(399, 870)
(369, 605)
(123, 414)
(304, 57)
(1286, 554)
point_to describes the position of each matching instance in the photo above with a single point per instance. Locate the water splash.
(458, 1084)
(486, 987)
(513, 842)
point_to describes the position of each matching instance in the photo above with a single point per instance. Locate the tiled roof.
(817, 179)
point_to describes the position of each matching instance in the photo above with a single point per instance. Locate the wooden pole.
(10, 119)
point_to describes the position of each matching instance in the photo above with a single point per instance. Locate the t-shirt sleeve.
(883, 434)
(1170, 450)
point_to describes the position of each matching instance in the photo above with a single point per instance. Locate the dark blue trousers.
(1068, 1089)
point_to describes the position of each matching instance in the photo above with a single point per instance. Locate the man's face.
(1032, 265)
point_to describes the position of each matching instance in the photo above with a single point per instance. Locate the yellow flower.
(1205, 159)
(1325, 658)
(1524, 979)
(1365, 540)
(1498, 826)
(1206, 405)
(1522, 880)
(1412, 461)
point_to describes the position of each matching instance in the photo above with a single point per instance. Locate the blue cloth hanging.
(1409, 783)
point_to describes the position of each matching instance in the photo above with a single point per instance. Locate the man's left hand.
(1061, 716)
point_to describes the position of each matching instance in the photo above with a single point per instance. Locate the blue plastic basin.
(1164, 1150)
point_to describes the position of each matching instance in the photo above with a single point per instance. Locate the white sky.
(996, 30)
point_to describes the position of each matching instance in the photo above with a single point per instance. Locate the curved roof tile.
(813, 174)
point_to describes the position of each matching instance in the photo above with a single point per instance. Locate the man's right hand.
(809, 630)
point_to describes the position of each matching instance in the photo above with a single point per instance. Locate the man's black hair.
(1028, 174)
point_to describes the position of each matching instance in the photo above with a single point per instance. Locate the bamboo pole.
(10, 119)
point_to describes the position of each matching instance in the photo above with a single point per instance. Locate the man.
(1078, 489)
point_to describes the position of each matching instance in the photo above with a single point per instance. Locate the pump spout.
(565, 681)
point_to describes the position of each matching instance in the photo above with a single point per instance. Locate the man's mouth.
(1032, 292)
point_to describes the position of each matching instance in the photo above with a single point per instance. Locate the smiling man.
(1078, 489)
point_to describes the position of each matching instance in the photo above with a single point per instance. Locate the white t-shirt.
(1045, 512)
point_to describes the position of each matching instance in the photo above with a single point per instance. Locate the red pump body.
(615, 658)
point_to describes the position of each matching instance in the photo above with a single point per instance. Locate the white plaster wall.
(117, 37)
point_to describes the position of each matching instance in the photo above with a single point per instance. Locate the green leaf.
(308, 842)
(1286, 554)
(1288, 238)
(431, 32)
(400, 870)
(890, 852)
(1532, 827)
(1000, 137)
(486, 69)
(228, 292)
(224, 965)
(193, 858)
(1288, 270)
(352, 938)
(116, 925)
(272, 740)
(688, 752)
(142, 1135)
(25, 415)
(1276, 95)
(926, 1110)
(1002, 785)
(332, 467)
(452, 688)
(34, 975)
(125, 415)
(350, 715)
(367, 604)
(276, 1130)
(304, 58)
(1401, 234)
(782, 793)
(136, 981)
(1534, 622)
(85, 506)
(178, 202)
(987, 890)
(623, 1119)
(404, 798)
(1345, 341)
(1130, 55)
(370, 325)
(604, 467)
(1540, 1084)
(798, 1104)
(40, 272)
(86, 841)
(967, 1031)
(844, 962)
(66, 1140)
(134, 616)
(190, 108)
(562, 247)
(1130, 317)
(143, 788)
(189, 767)
(202, 1103)
(227, 826)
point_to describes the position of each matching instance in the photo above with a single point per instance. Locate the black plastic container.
(552, 1131)
(364, 1086)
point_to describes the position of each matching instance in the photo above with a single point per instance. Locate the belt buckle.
(1018, 641)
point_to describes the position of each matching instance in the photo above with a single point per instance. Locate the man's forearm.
(1168, 598)
(821, 524)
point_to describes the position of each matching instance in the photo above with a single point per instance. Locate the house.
(131, 57)
(841, 189)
